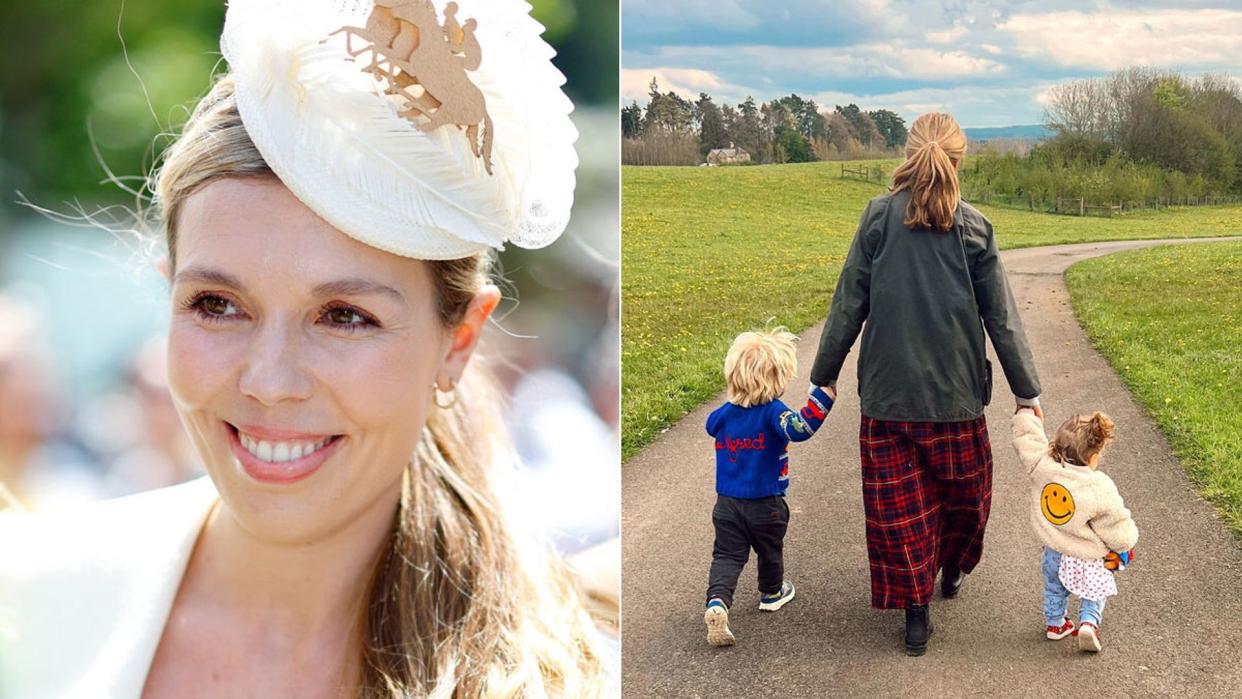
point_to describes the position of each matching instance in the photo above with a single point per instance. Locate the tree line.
(672, 130)
(1139, 137)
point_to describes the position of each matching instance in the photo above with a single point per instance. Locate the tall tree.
(712, 133)
(840, 131)
(632, 120)
(750, 134)
(891, 126)
(865, 129)
(668, 112)
(803, 113)
(852, 114)
(791, 146)
(731, 119)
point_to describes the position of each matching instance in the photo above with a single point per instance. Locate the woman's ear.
(164, 265)
(465, 337)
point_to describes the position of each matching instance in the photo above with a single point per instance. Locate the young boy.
(752, 432)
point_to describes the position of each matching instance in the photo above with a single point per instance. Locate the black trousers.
(742, 525)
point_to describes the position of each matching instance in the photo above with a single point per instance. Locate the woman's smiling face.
(301, 361)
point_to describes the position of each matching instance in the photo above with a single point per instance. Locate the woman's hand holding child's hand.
(1039, 413)
(830, 390)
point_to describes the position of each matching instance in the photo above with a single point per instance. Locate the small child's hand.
(1118, 561)
(830, 390)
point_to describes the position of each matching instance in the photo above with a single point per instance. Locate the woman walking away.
(925, 275)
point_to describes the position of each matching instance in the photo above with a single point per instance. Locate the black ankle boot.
(918, 629)
(951, 578)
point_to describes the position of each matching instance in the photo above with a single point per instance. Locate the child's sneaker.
(717, 619)
(771, 603)
(1088, 637)
(1056, 633)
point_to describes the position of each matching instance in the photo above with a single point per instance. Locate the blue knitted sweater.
(752, 458)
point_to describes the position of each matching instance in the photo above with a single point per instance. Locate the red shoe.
(1088, 638)
(1056, 633)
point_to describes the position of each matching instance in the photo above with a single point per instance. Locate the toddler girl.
(1078, 514)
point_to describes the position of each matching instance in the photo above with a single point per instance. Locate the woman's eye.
(347, 318)
(212, 308)
(218, 306)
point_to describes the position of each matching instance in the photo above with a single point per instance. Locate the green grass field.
(1169, 320)
(709, 252)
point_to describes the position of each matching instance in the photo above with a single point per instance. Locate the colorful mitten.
(1118, 561)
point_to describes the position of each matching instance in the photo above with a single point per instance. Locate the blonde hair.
(1082, 437)
(459, 606)
(760, 365)
(935, 146)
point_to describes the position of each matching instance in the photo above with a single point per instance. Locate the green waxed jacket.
(926, 298)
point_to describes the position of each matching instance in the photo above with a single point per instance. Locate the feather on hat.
(357, 140)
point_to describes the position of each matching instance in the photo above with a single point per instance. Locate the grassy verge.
(709, 252)
(1169, 320)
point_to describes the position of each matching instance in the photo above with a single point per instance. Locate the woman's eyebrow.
(203, 275)
(355, 286)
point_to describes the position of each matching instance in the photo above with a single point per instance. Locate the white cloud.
(1044, 97)
(948, 36)
(932, 64)
(687, 82)
(1109, 40)
(863, 60)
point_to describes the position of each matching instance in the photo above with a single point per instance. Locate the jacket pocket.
(987, 381)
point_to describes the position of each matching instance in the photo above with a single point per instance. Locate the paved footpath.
(1174, 629)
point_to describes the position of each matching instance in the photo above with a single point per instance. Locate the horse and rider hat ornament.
(429, 130)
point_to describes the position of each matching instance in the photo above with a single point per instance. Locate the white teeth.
(278, 452)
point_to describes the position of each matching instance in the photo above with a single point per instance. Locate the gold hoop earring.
(452, 391)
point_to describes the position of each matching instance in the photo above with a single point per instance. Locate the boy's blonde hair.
(759, 365)
(1082, 437)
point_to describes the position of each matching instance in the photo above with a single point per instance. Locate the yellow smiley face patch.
(1056, 503)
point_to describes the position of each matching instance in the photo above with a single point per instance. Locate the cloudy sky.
(989, 63)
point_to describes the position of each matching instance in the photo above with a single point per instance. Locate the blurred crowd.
(55, 454)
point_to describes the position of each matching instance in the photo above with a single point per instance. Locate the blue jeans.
(1056, 597)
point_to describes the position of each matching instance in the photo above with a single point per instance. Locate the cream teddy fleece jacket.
(1075, 511)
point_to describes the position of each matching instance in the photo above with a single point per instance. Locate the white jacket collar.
(84, 596)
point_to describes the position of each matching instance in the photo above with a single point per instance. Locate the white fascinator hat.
(431, 129)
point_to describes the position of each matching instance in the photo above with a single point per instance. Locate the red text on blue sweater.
(734, 444)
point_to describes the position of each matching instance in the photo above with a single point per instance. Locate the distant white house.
(727, 156)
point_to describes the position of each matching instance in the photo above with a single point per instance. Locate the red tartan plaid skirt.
(927, 491)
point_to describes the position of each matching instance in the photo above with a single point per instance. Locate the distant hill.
(1029, 132)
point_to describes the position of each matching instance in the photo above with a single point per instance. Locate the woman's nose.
(273, 369)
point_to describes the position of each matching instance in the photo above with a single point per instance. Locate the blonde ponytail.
(935, 147)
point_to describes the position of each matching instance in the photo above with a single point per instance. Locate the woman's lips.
(279, 444)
